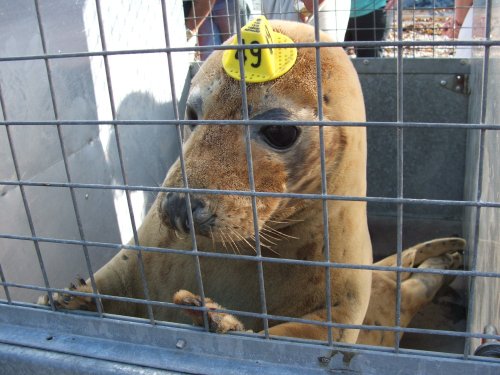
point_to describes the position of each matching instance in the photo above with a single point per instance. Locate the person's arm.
(198, 13)
(452, 26)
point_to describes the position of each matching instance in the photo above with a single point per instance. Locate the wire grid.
(259, 259)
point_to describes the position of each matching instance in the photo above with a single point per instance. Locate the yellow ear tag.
(260, 64)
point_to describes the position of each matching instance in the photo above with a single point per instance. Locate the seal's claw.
(70, 301)
(218, 322)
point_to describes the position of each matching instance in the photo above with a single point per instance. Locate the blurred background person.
(212, 21)
(459, 26)
(367, 22)
(333, 14)
(195, 14)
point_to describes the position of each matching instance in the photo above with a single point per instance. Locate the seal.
(286, 159)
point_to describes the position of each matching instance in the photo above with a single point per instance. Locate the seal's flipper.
(218, 322)
(417, 288)
(414, 256)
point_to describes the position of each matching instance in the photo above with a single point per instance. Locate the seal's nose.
(175, 213)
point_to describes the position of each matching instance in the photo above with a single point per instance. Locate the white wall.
(141, 88)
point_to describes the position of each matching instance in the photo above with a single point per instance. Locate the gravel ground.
(420, 25)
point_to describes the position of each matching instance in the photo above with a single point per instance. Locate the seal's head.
(285, 158)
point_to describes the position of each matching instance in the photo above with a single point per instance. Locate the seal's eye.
(191, 115)
(280, 137)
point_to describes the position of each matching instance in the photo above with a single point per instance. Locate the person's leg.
(197, 13)
(224, 18)
(370, 27)
(208, 35)
(464, 52)
(380, 28)
(350, 34)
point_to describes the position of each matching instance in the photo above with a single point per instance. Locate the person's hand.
(451, 28)
(307, 11)
(304, 14)
(189, 34)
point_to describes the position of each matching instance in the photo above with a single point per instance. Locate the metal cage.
(92, 95)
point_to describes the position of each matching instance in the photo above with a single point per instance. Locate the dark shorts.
(370, 27)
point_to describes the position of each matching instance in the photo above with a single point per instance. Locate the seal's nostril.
(196, 205)
(164, 203)
(175, 213)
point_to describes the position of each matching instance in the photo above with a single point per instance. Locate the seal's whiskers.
(242, 238)
(212, 238)
(232, 243)
(270, 234)
(265, 237)
(221, 235)
(285, 221)
(268, 247)
(279, 233)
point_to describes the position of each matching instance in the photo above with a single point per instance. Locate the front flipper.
(417, 290)
(223, 322)
(70, 301)
(218, 322)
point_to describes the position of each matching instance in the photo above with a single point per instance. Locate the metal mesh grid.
(398, 45)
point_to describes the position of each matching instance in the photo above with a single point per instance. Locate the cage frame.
(108, 341)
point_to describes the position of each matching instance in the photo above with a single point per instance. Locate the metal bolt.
(180, 344)
(458, 88)
(86, 196)
(366, 62)
(324, 360)
(443, 82)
